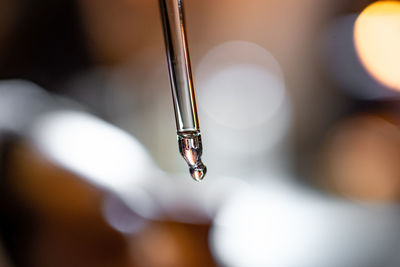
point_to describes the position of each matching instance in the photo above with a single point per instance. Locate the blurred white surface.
(281, 225)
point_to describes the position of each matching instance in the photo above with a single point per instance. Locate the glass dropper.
(183, 93)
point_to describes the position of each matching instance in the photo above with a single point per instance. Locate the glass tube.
(183, 93)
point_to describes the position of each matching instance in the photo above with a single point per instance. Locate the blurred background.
(300, 115)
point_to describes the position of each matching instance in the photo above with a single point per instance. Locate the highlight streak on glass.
(183, 93)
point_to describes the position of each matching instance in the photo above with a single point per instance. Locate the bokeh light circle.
(377, 41)
(242, 97)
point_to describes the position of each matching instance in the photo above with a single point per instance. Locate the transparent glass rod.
(183, 93)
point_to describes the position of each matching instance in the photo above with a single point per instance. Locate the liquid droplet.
(198, 172)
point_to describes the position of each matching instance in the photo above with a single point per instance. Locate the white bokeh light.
(242, 99)
(242, 96)
(93, 148)
(121, 217)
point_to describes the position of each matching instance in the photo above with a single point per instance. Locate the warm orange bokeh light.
(377, 41)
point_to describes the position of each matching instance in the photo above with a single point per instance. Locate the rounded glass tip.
(191, 149)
